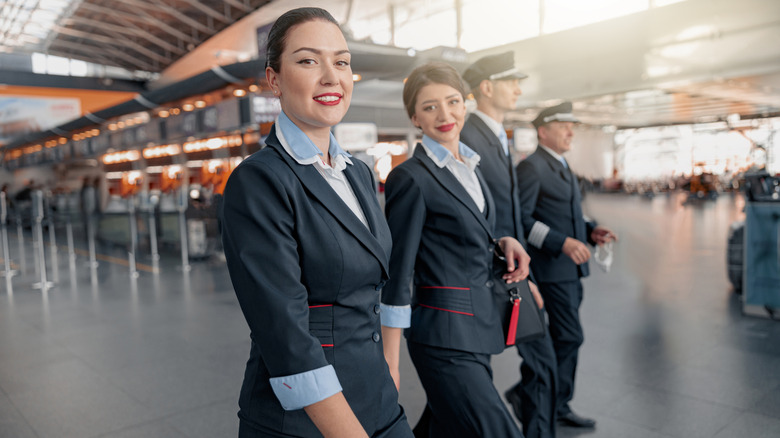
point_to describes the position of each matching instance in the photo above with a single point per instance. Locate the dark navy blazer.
(550, 195)
(499, 175)
(307, 273)
(442, 246)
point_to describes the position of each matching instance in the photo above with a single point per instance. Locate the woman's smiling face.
(440, 112)
(314, 83)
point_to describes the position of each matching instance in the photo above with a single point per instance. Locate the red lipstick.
(446, 128)
(328, 99)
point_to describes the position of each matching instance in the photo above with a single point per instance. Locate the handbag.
(521, 318)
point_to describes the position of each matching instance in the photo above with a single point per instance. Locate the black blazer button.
(489, 283)
(375, 337)
(377, 308)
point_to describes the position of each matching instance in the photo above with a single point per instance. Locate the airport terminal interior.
(120, 123)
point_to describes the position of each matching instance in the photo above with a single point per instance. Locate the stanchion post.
(8, 273)
(182, 207)
(69, 233)
(55, 272)
(20, 238)
(153, 201)
(133, 236)
(37, 212)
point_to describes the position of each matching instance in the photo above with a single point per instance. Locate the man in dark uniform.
(494, 82)
(557, 233)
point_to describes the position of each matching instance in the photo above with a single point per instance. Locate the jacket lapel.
(366, 197)
(555, 165)
(447, 180)
(574, 200)
(490, 210)
(322, 192)
(490, 136)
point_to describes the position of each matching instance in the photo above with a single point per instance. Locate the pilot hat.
(492, 67)
(557, 113)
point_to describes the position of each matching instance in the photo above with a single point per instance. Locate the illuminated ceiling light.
(239, 92)
(112, 127)
(162, 151)
(163, 114)
(120, 125)
(253, 88)
(356, 77)
(121, 157)
(175, 111)
(188, 107)
(200, 104)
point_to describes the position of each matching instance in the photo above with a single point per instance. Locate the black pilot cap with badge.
(492, 68)
(558, 113)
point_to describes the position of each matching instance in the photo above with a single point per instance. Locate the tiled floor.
(667, 351)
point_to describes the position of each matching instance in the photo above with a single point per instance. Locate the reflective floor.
(667, 351)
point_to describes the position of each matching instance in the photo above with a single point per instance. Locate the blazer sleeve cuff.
(396, 316)
(537, 234)
(300, 390)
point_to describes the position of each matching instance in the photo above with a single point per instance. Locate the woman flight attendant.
(441, 216)
(307, 249)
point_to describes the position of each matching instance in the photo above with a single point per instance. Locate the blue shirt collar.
(441, 155)
(301, 148)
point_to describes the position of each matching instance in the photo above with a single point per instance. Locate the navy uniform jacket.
(307, 274)
(442, 245)
(499, 175)
(551, 211)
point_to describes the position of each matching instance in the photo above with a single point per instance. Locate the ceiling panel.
(147, 35)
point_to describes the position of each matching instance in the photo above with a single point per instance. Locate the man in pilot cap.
(557, 234)
(495, 84)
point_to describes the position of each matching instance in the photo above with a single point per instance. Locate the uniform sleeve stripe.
(538, 234)
(396, 316)
(300, 390)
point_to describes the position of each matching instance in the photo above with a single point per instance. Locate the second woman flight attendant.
(307, 249)
(441, 216)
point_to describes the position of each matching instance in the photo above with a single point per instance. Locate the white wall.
(592, 153)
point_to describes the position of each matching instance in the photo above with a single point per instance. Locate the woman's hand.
(334, 418)
(536, 294)
(602, 235)
(517, 260)
(391, 341)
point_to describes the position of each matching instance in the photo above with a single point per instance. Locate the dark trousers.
(537, 389)
(562, 301)
(462, 400)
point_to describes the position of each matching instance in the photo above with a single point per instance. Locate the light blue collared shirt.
(555, 155)
(496, 127)
(463, 171)
(301, 149)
